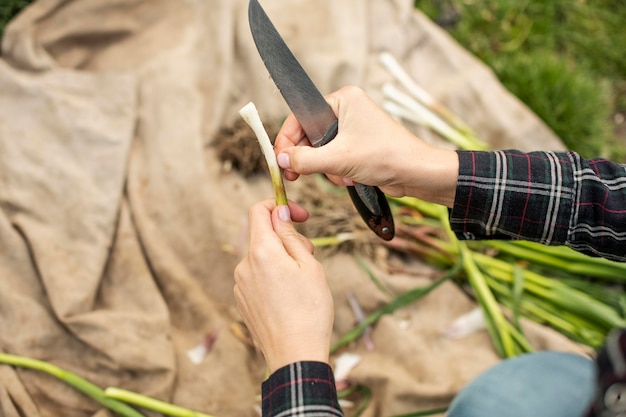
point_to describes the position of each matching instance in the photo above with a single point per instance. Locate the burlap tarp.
(115, 212)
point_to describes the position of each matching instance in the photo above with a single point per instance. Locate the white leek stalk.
(404, 106)
(419, 107)
(423, 96)
(250, 114)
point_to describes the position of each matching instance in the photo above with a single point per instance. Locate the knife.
(313, 113)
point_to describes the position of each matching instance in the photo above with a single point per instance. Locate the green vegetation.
(565, 59)
(8, 10)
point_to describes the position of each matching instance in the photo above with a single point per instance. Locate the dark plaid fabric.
(556, 198)
(301, 389)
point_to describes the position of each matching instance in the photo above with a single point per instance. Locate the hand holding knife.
(313, 113)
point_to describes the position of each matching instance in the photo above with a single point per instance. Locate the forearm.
(429, 173)
(555, 198)
(301, 389)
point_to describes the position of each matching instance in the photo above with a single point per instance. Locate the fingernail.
(283, 160)
(284, 214)
(347, 181)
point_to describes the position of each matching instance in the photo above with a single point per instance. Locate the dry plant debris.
(238, 150)
(330, 208)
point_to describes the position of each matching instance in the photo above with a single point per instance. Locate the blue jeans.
(541, 384)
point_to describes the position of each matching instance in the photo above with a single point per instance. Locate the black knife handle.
(374, 209)
(369, 201)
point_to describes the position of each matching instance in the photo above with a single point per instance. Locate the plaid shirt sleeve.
(555, 198)
(301, 389)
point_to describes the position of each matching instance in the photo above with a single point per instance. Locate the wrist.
(434, 177)
(276, 359)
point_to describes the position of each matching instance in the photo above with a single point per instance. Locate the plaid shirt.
(301, 389)
(555, 198)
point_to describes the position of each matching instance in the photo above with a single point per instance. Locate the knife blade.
(313, 112)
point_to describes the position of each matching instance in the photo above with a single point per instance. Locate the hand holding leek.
(281, 291)
(280, 288)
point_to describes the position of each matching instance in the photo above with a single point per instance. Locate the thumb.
(307, 160)
(296, 245)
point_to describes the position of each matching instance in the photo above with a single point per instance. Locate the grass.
(8, 10)
(564, 58)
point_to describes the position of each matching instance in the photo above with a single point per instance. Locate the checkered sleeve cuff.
(301, 389)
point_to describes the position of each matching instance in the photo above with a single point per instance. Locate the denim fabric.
(541, 384)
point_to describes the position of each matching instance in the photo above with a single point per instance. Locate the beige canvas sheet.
(115, 212)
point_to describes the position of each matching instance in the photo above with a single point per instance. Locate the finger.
(338, 99)
(339, 180)
(290, 134)
(333, 99)
(306, 160)
(260, 223)
(291, 176)
(293, 211)
(298, 213)
(296, 245)
(261, 234)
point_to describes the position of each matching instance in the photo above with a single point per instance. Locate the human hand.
(281, 290)
(370, 148)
